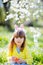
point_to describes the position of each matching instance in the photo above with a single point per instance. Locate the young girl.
(18, 51)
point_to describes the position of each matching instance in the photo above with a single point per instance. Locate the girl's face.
(19, 41)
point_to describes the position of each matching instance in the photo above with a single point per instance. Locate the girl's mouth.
(18, 41)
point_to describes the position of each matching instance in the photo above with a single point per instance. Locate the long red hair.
(17, 34)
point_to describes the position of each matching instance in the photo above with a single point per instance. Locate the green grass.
(37, 54)
(5, 36)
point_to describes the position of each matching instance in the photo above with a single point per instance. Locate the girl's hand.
(12, 59)
(15, 59)
(21, 61)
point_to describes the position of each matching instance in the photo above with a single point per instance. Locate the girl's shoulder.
(27, 51)
(26, 48)
(14, 46)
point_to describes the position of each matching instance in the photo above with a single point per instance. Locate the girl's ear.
(21, 26)
(16, 27)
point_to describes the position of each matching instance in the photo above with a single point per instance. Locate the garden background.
(30, 14)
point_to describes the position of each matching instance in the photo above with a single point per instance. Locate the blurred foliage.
(3, 57)
(3, 41)
(30, 11)
(2, 14)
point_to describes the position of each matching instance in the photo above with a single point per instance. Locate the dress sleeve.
(9, 54)
(28, 56)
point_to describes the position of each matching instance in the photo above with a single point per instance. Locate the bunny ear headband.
(21, 28)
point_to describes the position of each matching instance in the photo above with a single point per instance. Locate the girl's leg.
(12, 63)
(23, 64)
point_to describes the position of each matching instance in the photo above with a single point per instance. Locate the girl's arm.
(28, 55)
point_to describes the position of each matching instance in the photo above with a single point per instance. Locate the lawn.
(37, 53)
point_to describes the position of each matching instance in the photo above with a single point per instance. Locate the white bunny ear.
(16, 27)
(21, 26)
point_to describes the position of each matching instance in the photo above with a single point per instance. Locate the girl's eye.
(17, 37)
(21, 37)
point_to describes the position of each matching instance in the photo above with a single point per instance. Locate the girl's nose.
(18, 37)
